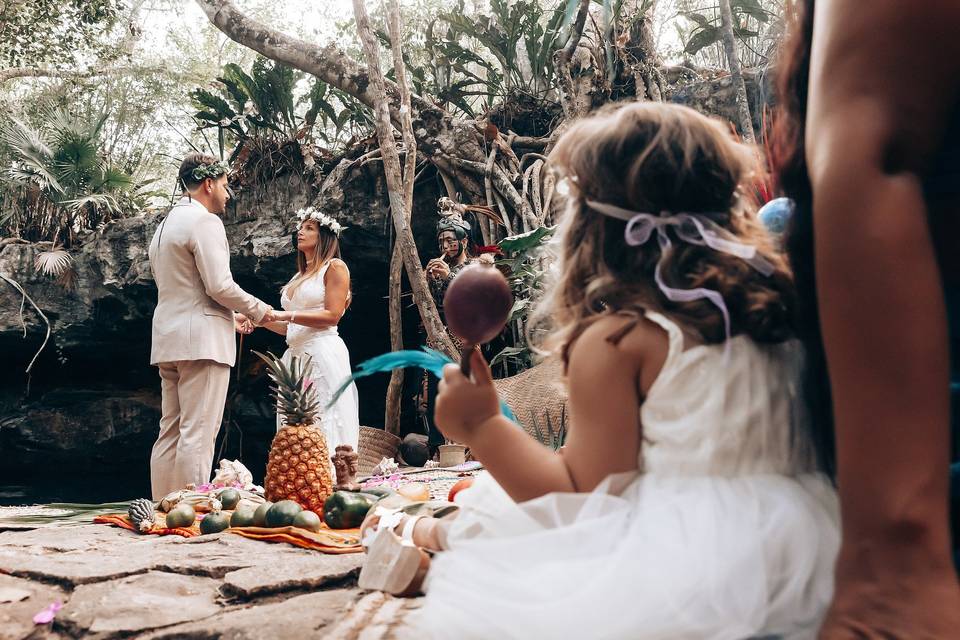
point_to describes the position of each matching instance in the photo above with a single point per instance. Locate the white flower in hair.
(322, 219)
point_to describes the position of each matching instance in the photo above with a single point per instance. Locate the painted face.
(220, 193)
(449, 245)
(308, 236)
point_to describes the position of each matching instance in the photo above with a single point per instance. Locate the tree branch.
(395, 388)
(436, 332)
(575, 34)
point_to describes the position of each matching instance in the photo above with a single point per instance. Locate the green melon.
(282, 513)
(307, 520)
(229, 498)
(214, 522)
(260, 515)
(181, 516)
(243, 517)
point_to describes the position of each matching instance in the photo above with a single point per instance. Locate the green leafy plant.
(258, 117)
(753, 21)
(526, 265)
(551, 436)
(62, 180)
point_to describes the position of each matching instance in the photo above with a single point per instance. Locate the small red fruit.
(466, 483)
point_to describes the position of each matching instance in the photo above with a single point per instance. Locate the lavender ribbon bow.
(692, 228)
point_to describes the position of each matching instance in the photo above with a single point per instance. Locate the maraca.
(477, 305)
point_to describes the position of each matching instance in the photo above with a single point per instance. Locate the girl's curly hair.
(654, 157)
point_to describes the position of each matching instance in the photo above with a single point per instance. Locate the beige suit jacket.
(196, 294)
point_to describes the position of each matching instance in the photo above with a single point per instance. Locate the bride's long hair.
(327, 248)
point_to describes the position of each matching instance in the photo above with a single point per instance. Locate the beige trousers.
(193, 397)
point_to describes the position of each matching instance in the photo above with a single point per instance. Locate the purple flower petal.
(47, 615)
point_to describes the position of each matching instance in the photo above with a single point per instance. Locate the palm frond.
(52, 263)
(98, 200)
(66, 513)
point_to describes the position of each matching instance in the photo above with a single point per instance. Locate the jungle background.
(369, 111)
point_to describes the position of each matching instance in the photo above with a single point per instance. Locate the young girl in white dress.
(314, 301)
(688, 501)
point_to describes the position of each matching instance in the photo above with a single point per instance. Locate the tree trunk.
(730, 48)
(395, 388)
(640, 55)
(436, 333)
(574, 94)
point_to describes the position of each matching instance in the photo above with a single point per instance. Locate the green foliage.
(551, 436)
(469, 62)
(525, 263)
(56, 32)
(539, 32)
(62, 180)
(297, 399)
(256, 110)
(750, 18)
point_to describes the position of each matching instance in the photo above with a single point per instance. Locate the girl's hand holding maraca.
(463, 404)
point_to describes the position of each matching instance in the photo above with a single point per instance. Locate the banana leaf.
(66, 513)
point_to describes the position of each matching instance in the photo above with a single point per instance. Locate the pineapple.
(298, 467)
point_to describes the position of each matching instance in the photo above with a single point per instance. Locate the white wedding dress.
(330, 366)
(725, 531)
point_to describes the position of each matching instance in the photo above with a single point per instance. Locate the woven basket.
(375, 445)
(537, 397)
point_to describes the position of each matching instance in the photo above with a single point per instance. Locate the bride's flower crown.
(322, 219)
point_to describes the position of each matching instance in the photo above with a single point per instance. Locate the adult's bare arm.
(884, 80)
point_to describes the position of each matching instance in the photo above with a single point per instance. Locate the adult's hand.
(438, 269)
(270, 316)
(243, 324)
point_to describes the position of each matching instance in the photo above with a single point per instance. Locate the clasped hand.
(463, 405)
(245, 325)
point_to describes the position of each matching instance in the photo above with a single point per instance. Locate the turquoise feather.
(427, 358)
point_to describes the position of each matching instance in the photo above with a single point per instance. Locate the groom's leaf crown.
(213, 171)
(322, 219)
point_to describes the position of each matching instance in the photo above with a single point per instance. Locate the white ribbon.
(692, 228)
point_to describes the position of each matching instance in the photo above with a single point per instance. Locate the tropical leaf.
(702, 38)
(112, 179)
(52, 263)
(32, 155)
(211, 104)
(752, 8)
(60, 514)
(520, 353)
(96, 200)
(700, 19)
(524, 242)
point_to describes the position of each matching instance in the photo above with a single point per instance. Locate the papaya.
(229, 498)
(243, 517)
(307, 520)
(346, 509)
(214, 522)
(282, 513)
(260, 515)
(181, 516)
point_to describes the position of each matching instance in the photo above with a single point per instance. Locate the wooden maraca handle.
(465, 353)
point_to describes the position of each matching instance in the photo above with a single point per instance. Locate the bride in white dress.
(313, 302)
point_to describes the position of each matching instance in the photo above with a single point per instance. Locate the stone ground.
(115, 583)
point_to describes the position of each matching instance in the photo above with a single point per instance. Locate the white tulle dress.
(331, 363)
(725, 531)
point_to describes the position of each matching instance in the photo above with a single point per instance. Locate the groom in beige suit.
(194, 344)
